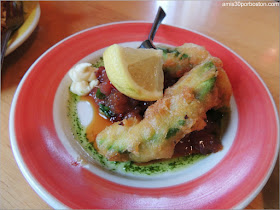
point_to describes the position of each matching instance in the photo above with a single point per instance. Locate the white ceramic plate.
(44, 150)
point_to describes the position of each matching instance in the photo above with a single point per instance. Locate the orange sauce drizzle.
(98, 123)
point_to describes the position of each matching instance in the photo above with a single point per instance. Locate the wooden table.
(252, 32)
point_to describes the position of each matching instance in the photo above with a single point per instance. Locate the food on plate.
(195, 93)
(137, 73)
(183, 58)
(83, 78)
(181, 111)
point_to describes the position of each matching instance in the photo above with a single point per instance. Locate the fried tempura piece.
(181, 111)
(183, 58)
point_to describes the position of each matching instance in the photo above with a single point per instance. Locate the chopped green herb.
(106, 110)
(177, 53)
(171, 132)
(99, 94)
(182, 122)
(184, 56)
(99, 63)
(166, 50)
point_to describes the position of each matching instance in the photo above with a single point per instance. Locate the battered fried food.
(183, 58)
(181, 111)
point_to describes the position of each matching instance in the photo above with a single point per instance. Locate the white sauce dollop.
(83, 78)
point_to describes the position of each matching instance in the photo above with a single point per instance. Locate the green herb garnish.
(106, 110)
(171, 132)
(164, 50)
(177, 53)
(99, 63)
(184, 56)
(182, 122)
(99, 94)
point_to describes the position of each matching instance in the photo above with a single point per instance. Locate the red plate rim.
(49, 169)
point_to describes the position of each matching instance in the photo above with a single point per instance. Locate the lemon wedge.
(137, 73)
